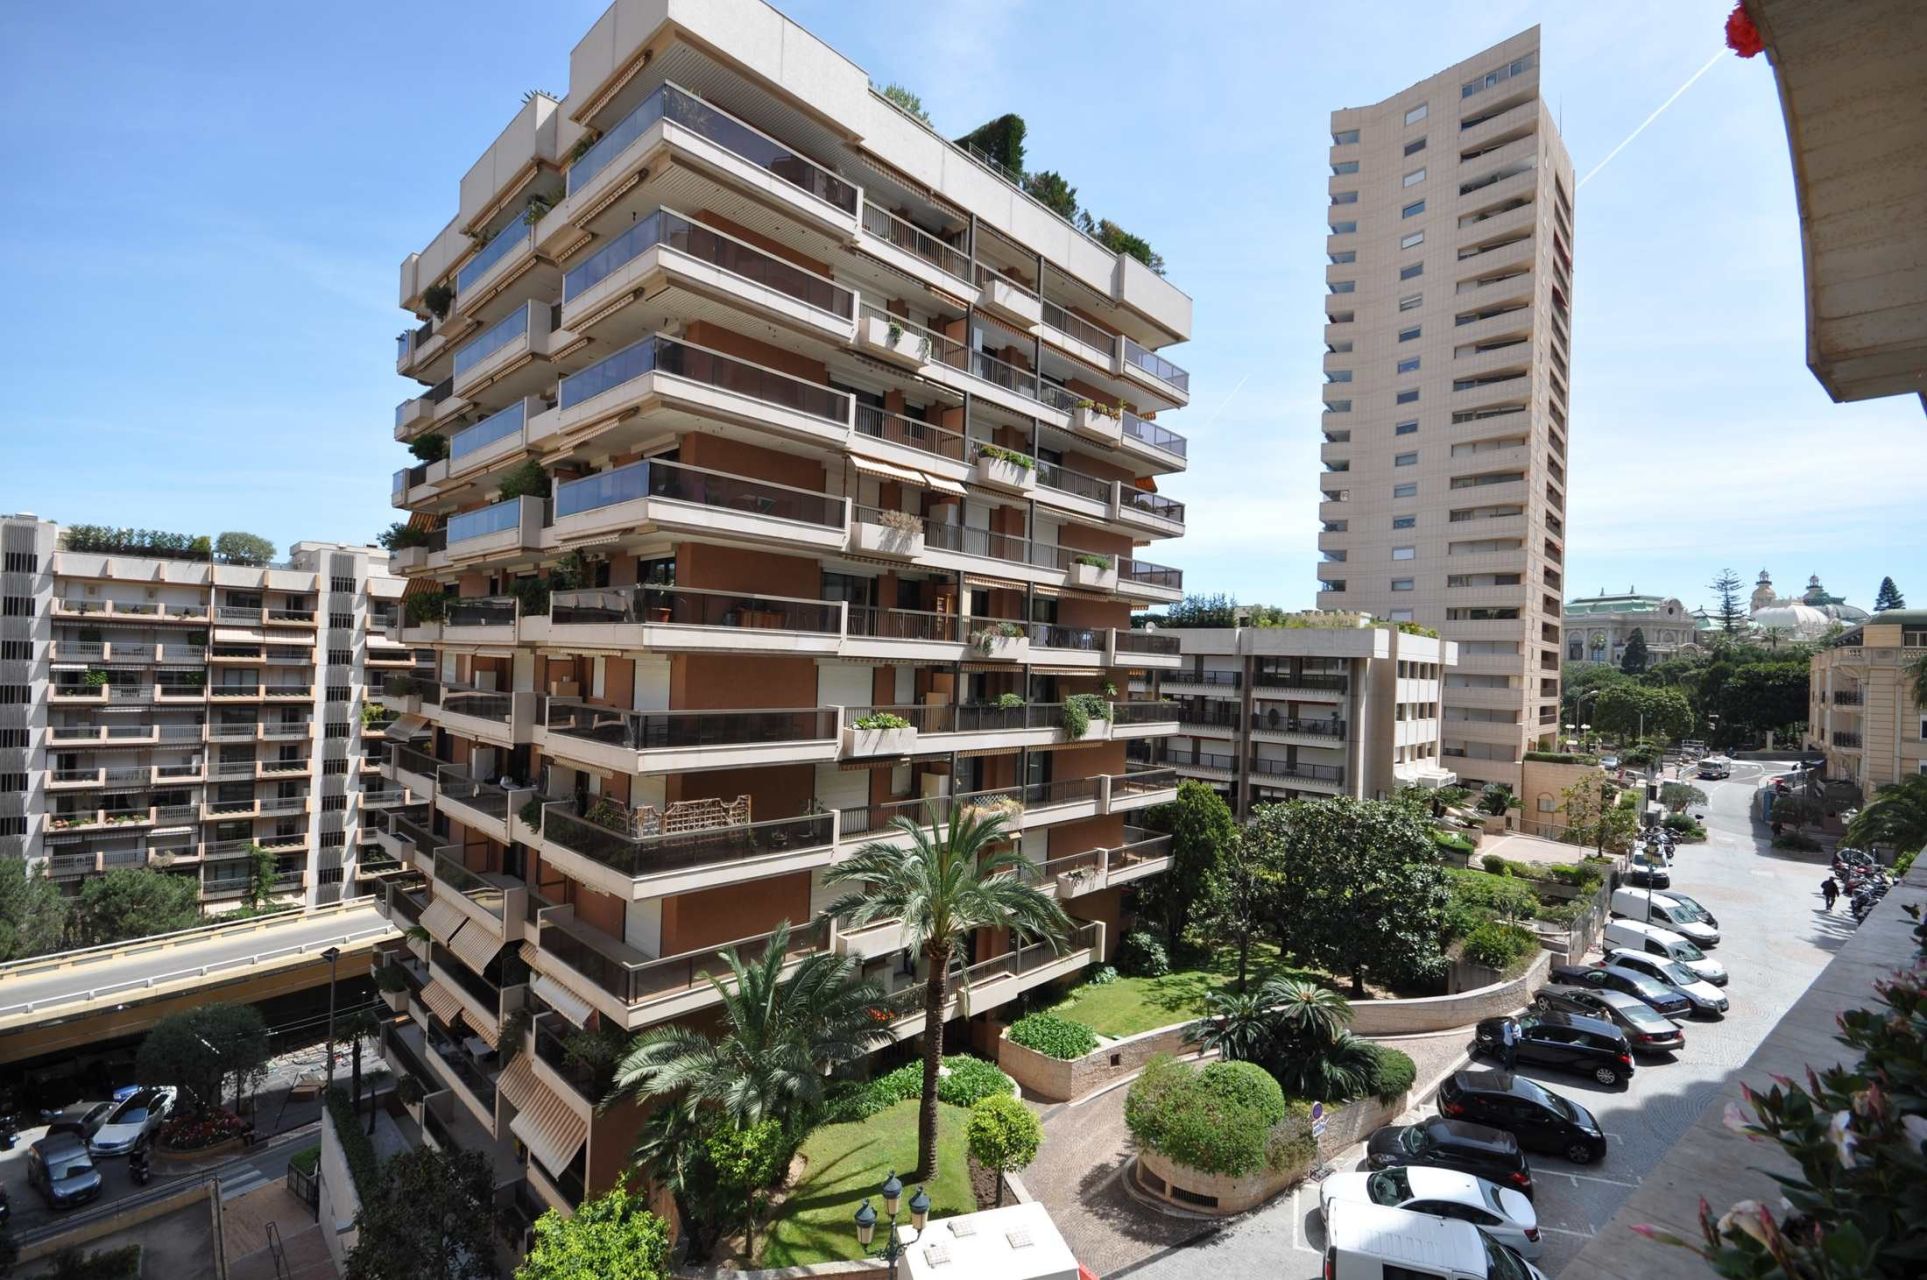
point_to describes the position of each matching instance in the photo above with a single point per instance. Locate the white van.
(1655, 941)
(1373, 1242)
(1667, 912)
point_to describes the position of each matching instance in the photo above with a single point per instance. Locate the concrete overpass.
(56, 1002)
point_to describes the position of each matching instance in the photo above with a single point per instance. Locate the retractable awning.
(474, 944)
(442, 1002)
(547, 1126)
(562, 1000)
(442, 919)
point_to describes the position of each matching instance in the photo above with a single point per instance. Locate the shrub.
(364, 1167)
(968, 1082)
(1092, 559)
(880, 720)
(1796, 842)
(432, 447)
(1501, 947)
(1142, 955)
(1392, 1073)
(1012, 456)
(1105, 973)
(848, 1101)
(1075, 716)
(205, 1130)
(1225, 1119)
(1584, 875)
(1495, 896)
(1561, 757)
(1561, 912)
(1456, 843)
(526, 480)
(1053, 1036)
(1009, 701)
(1003, 1134)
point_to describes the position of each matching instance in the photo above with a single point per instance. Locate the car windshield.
(1677, 974)
(79, 1168)
(1687, 951)
(1687, 911)
(132, 1115)
(1413, 1140)
(1390, 1187)
(1501, 1263)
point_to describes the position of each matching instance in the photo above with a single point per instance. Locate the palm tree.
(1896, 817)
(354, 1028)
(1295, 1029)
(775, 1043)
(1239, 1026)
(943, 884)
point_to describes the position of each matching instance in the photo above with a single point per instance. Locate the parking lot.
(1775, 939)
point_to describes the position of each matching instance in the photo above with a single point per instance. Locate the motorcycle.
(137, 1167)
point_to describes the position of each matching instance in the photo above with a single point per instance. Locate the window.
(1344, 167)
(1344, 197)
(1408, 366)
(330, 803)
(1518, 66)
(1343, 286)
(1411, 240)
(1404, 522)
(1404, 553)
(1344, 228)
(1405, 460)
(1407, 490)
(342, 586)
(14, 826)
(1415, 146)
(1417, 113)
(1413, 178)
(1341, 258)
(1408, 335)
(16, 651)
(1401, 584)
(1344, 137)
(1412, 272)
(1400, 615)
(1405, 429)
(1411, 302)
(1411, 210)
(341, 657)
(333, 767)
(1338, 317)
(22, 562)
(1408, 397)
(1339, 375)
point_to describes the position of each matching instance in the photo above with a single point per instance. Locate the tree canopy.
(1626, 709)
(199, 1051)
(33, 914)
(236, 547)
(133, 902)
(1633, 660)
(1888, 597)
(433, 1219)
(1201, 828)
(612, 1237)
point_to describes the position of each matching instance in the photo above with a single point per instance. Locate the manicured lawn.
(847, 1163)
(1126, 1006)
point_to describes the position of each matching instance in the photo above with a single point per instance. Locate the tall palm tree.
(1896, 816)
(777, 1039)
(943, 884)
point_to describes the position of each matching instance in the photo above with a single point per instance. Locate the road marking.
(1611, 1182)
(249, 1179)
(1561, 1231)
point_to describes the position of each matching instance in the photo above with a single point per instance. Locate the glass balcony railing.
(672, 480)
(680, 107)
(499, 518)
(497, 426)
(478, 704)
(1151, 575)
(1146, 642)
(666, 355)
(453, 782)
(689, 607)
(1157, 366)
(1077, 327)
(493, 339)
(481, 611)
(515, 235)
(671, 730)
(635, 980)
(1151, 504)
(672, 230)
(1143, 712)
(642, 855)
(1147, 432)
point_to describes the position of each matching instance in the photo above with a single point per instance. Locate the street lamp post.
(333, 956)
(866, 1219)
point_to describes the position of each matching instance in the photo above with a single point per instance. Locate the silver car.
(133, 1121)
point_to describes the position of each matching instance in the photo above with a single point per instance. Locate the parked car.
(1668, 910)
(1652, 940)
(1608, 762)
(1658, 996)
(1697, 908)
(134, 1120)
(1715, 768)
(1564, 1041)
(6, 1208)
(1500, 1212)
(1539, 1118)
(1648, 873)
(83, 1120)
(1373, 1242)
(1704, 996)
(1439, 1143)
(1646, 1031)
(59, 1168)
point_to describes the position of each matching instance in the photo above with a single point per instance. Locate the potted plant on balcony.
(887, 335)
(95, 679)
(530, 814)
(1084, 715)
(1093, 418)
(432, 447)
(392, 982)
(891, 533)
(438, 298)
(1001, 640)
(1090, 569)
(1002, 468)
(879, 733)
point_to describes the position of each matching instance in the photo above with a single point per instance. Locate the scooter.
(137, 1167)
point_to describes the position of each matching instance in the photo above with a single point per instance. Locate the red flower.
(1742, 37)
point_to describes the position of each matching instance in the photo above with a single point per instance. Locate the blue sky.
(207, 204)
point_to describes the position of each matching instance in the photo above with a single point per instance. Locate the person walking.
(1830, 891)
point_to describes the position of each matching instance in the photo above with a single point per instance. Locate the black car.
(1477, 1149)
(1540, 1119)
(1645, 1029)
(1567, 1041)
(61, 1170)
(1657, 996)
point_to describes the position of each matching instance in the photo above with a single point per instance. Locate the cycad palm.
(946, 882)
(1896, 816)
(776, 1039)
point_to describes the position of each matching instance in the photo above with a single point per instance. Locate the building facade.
(1448, 335)
(797, 466)
(166, 711)
(1287, 713)
(1598, 627)
(1862, 710)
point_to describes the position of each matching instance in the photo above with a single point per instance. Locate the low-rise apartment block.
(1268, 714)
(1862, 709)
(158, 709)
(797, 470)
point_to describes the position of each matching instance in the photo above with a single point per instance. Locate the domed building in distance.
(1598, 627)
(1809, 616)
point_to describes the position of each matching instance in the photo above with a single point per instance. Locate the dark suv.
(1565, 1041)
(1482, 1151)
(1540, 1119)
(1657, 996)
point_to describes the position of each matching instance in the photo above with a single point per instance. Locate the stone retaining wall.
(1443, 1013)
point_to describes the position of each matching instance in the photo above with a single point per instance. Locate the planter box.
(999, 473)
(907, 347)
(396, 1000)
(1002, 648)
(882, 540)
(403, 559)
(1091, 576)
(1097, 425)
(879, 742)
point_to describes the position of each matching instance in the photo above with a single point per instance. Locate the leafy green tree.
(1795, 810)
(1218, 610)
(1201, 827)
(1594, 817)
(1003, 1135)
(746, 1162)
(243, 548)
(1895, 818)
(1358, 887)
(910, 103)
(261, 875)
(33, 914)
(1237, 895)
(944, 884)
(199, 1050)
(1002, 140)
(432, 1219)
(1729, 612)
(1888, 597)
(612, 1237)
(1052, 191)
(1676, 796)
(1754, 699)
(133, 902)
(1628, 710)
(716, 1171)
(1916, 675)
(1633, 660)
(1578, 685)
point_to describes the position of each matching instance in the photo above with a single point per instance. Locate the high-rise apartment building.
(161, 710)
(1448, 338)
(797, 465)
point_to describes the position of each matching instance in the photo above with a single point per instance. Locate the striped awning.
(486, 1031)
(943, 485)
(517, 1082)
(236, 635)
(528, 953)
(407, 728)
(889, 471)
(442, 918)
(562, 1000)
(547, 1126)
(442, 1002)
(474, 944)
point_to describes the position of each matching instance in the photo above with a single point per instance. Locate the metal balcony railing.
(693, 607)
(636, 856)
(670, 730)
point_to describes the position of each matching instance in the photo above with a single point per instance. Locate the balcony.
(477, 803)
(1158, 444)
(497, 904)
(1146, 581)
(512, 249)
(1270, 725)
(939, 358)
(1153, 372)
(500, 436)
(1001, 979)
(674, 497)
(1324, 778)
(1149, 719)
(915, 252)
(1139, 789)
(412, 768)
(1005, 298)
(1222, 684)
(1024, 807)
(1078, 337)
(667, 373)
(904, 633)
(499, 529)
(512, 353)
(1144, 649)
(661, 741)
(688, 619)
(1294, 685)
(635, 866)
(1150, 512)
(907, 441)
(505, 719)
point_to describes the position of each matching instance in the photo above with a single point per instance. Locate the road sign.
(1317, 1119)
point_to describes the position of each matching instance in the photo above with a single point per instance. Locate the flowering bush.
(1742, 37)
(193, 1134)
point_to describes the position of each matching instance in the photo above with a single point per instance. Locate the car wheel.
(1579, 1153)
(1606, 1076)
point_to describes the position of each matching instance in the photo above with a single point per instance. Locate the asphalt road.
(1775, 939)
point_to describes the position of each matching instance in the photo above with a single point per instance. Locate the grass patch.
(846, 1165)
(1127, 1006)
(308, 1159)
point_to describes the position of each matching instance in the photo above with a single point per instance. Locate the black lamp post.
(866, 1218)
(333, 956)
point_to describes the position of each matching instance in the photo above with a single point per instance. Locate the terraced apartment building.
(797, 469)
(1448, 315)
(161, 710)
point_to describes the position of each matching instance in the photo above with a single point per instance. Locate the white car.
(133, 1120)
(1502, 1213)
(1706, 997)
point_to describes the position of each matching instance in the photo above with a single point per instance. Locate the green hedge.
(1503, 947)
(1585, 874)
(1393, 1071)
(1456, 843)
(970, 1080)
(363, 1165)
(1561, 757)
(1053, 1036)
(1500, 895)
(1229, 1118)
